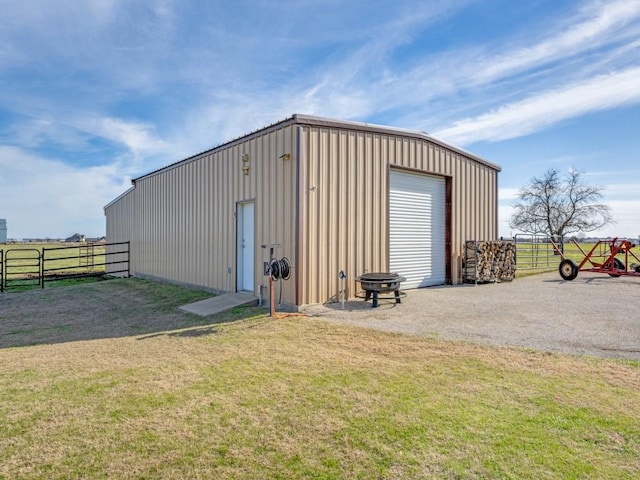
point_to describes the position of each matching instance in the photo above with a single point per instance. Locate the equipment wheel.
(618, 265)
(568, 269)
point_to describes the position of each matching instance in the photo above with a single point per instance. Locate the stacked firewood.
(489, 261)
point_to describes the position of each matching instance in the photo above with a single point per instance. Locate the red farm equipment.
(610, 256)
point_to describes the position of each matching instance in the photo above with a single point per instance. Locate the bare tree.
(556, 205)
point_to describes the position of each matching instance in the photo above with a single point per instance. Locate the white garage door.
(417, 228)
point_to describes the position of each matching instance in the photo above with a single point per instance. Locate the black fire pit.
(374, 283)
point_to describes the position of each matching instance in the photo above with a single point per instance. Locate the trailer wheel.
(568, 269)
(618, 265)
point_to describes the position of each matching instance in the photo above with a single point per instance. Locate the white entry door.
(246, 244)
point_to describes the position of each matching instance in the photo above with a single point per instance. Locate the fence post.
(128, 258)
(42, 268)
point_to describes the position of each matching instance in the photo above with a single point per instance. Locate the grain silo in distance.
(3, 230)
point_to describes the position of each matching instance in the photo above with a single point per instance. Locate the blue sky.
(97, 92)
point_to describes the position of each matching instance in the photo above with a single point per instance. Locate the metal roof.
(311, 120)
(124, 194)
(372, 127)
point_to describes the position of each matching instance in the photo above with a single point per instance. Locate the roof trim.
(222, 146)
(119, 197)
(310, 120)
(372, 127)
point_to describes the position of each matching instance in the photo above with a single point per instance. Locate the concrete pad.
(221, 303)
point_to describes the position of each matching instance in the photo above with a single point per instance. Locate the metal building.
(334, 195)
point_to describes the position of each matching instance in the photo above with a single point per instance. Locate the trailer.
(613, 257)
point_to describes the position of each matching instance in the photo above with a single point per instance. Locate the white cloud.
(504, 213)
(137, 137)
(43, 197)
(442, 87)
(599, 23)
(626, 214)
(625, 211)
(508, 194)
(542, 110)
(149, 84)
(621, 190)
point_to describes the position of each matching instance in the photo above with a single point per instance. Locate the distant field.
(23, 261)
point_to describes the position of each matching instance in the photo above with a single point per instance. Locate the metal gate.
(21, 268)
(537, 252)
(33, 267)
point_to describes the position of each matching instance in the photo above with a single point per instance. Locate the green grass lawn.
(247, 396)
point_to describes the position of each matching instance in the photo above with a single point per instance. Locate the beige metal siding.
(119, 221)
(344, 202)
(185, 216)
(342, 210)
(327, 205)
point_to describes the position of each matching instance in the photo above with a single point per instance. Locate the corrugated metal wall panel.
(183, 219)
(119, 221)
(341, 209)
(344, 202)
(183, 224)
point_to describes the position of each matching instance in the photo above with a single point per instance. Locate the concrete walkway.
(221, 303)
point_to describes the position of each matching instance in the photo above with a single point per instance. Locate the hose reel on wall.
(277, 270)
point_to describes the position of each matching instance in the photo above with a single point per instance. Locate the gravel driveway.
(594, 314)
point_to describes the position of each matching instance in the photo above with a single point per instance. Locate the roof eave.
(372, 127)
(311, 120)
